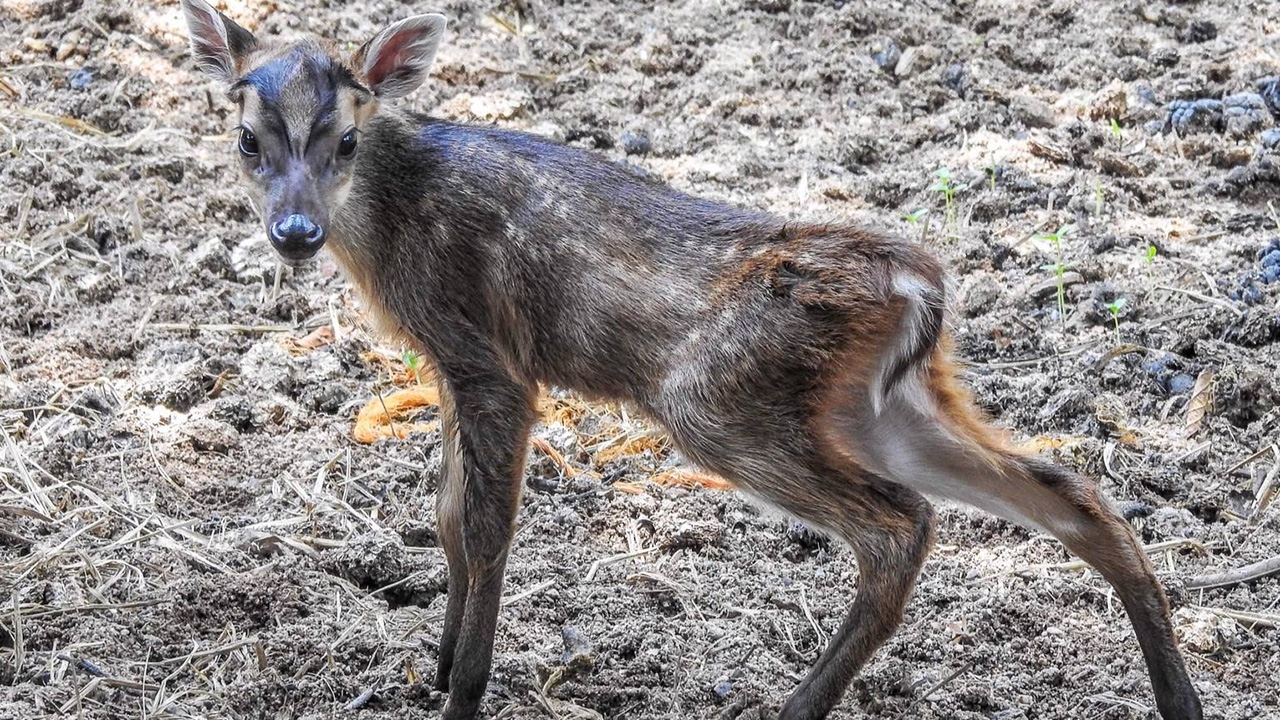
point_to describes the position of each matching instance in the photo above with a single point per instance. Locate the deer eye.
(347, 145)
(248, 143)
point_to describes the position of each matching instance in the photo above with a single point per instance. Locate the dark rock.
(1198, 31)
(1163, 367)
(1248, 292)
(1187, 115)
(636, 143)
(1181, 384)
(1130, 509)
(81, 78)
(954, 78)
(1245, 113)
(1269, 89)
(578, 653)
(1165, 56)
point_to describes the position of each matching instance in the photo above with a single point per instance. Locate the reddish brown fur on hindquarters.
(803, 362)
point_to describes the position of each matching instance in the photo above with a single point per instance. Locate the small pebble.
(1199, 31)
(1165, 56)
(636, 143)
(886, 54)
(81, 78)
(1248, 293)
(1033, 112)
(577, 648)
(954, 77)
(1181, 384)
(1269, 89)
(68, 45)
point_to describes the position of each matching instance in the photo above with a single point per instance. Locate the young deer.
(805, 363)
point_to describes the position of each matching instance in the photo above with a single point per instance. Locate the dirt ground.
(188, 529)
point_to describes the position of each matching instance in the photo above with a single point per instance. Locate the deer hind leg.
(891, 530)
(928, 438)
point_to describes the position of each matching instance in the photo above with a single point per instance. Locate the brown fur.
(806, 363)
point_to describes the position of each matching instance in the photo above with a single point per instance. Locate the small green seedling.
(1150, 258)
(1115, 130)
(920, 219)
(1115, 306)
(413, 361)
(991, 174)
(914, 218)
(1059, 267)
(1099, 198)
(946, 186)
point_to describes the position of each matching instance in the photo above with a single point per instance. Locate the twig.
(933, 689)
(1176, 544)
(226, 328)
(1242, 617)
(1252, 571)
(360, 700)
(197, 655)
(1255, 456)
(1203, 298)
(1266, 490)
(595, 566)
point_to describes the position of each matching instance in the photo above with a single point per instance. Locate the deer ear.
(217, 44)
(395, 62)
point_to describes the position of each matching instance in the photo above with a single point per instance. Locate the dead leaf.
(379, 417)
(1049, 150)
(633, 445)
(1201, 402)
(1043, 443)
(314, 340)
(691, 479)
(680, 477)
(556, 457)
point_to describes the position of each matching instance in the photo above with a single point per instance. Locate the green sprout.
(1099, 198)
(920, 219)
(914, 218)
(1150, 258)
(1115, 130)
(413, 361)
(991, 174)
(945, 186)
(1059, 267)
(1115, 306)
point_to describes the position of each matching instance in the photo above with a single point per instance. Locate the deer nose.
(296, 237)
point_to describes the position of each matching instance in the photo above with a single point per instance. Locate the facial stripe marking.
(270, 79)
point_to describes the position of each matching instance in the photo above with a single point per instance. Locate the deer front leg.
(449, 521)
(492, 415)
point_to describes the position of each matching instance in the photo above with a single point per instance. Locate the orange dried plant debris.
(391, 415)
